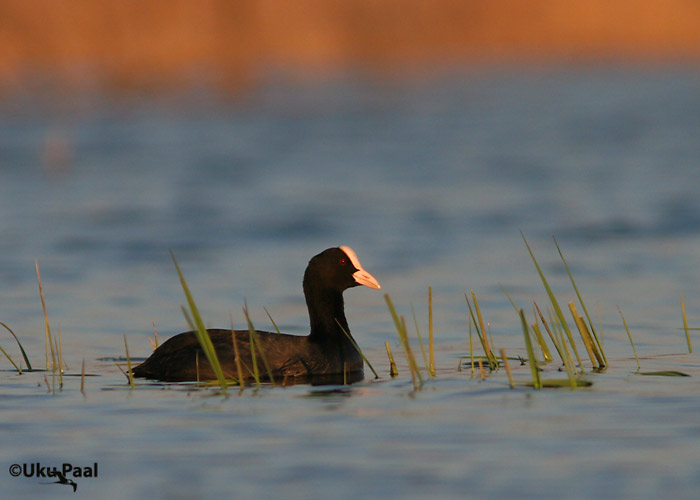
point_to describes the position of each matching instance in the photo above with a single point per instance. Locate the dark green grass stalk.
(685, 325)
(237, 357)
(431, 342)
(471, 346)
(201, 331)
(261, 351)
(587, 341)
(567, 360)
(47, 328)
(272, 320)
(536, 383)
(583, 305)
(357, 348)
(9, 358)
(493, 364)
(393, 371)
(19, 344)
(403, 337)
(254, 358)
(553, 300)
(629, 336)
(129, 375)
(420, 342)
(82, 378)
(546, 354)
(507, 367)
(549, 331)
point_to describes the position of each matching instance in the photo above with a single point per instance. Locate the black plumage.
(325, 353)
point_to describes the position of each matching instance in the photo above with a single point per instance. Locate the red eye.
(343, 261)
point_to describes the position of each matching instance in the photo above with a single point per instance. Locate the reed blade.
(201, 331)
(19, 344)
(629, 336)
(357, 348)
(583, 305)
(685, 325)
(553, 301)
(537, 384)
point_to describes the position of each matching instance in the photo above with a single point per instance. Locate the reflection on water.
(430, 182)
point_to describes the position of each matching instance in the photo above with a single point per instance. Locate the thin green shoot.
(82, 378)
(420, 342)
(471, 346)
(507, 367)
(431, 342)
(530, 353)
(553, 301)
(403, 337)
(685, 325)
(393, 371)
(546, 327)
(24, 354)
(9, 358)
(261, 351)
(272, 320)
(357, 348)
(583, 305)
(129, 375)
(567, 360)
(493, 364)
(47, 328)
(629, 336)
(546, 354)
(201, 331)
(154, 341)
(587, 341)
(254, 358)
(237, 357)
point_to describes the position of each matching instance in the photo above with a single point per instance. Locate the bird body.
(326, 352)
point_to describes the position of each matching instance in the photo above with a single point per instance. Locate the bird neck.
(326, 314)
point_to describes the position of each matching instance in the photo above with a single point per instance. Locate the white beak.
(361, 276)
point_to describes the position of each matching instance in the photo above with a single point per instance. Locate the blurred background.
(249, 135)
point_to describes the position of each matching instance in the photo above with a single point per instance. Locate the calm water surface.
(430, 181)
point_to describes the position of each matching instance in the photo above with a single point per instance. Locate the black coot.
(326, 352)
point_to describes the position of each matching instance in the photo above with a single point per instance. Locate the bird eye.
(343, 261)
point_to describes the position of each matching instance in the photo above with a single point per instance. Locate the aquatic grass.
(420, 342)
(530, 353)
(400, 324)
(549, 332)
(546, 354)
(272, 320)
(82, 378)
(471, 346)
(393, 371)
(255, 344)
(19, 344)
(154, 340)
(591, 349)
(685, 326)
(431, 342)
(129, 375)
(357, 348)
(553, 301)
(200, 330)
(236, 356)
(583, 305)
(504, 359)
(479, 327)
(9, 358)
(47, 327)
(629, 336)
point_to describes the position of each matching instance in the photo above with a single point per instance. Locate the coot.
(325, 352)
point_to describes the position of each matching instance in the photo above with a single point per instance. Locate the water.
(430, 181)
